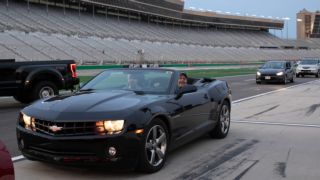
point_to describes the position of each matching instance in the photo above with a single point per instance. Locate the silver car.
(308, 67)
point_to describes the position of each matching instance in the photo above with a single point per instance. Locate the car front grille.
(263, 75)
(65, 128)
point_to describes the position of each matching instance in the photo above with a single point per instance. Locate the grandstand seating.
(316, 28)
(38, 35)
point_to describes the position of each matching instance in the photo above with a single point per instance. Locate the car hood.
(307, 66)
(90, 105)
(270, 71)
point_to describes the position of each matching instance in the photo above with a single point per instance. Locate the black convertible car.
(124, 118)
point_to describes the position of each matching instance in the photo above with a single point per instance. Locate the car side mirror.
(186, 89)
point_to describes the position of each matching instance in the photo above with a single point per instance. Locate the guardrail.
(93, 67)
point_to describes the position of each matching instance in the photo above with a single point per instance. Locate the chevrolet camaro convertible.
(128, 118)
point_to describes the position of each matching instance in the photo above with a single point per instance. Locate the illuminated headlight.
(258, 73)
(110, 126)
(279, 73)
(27, 122)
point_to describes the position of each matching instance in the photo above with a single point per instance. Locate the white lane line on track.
(6, 97)
(271, 92)
(275, 123)
(233, 76)
(18, 158)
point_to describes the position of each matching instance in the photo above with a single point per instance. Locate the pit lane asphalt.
(242, 87)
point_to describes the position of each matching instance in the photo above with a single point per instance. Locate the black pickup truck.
(28, 81)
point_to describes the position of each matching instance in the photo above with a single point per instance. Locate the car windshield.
(273, 65)
(137, 80)
(309, 62)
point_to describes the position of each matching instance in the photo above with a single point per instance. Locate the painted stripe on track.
(271, 92)
(18, 158)
(6, 97)
(276, 123)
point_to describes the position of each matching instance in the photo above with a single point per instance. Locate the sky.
(274, 8)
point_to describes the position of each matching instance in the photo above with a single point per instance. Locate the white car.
(308, 67)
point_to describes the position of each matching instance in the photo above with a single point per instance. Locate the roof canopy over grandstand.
(168, 12)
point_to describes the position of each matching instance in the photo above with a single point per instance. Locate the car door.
(191, 111)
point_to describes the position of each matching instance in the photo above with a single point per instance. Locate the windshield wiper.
(85, 90)
(139, 92)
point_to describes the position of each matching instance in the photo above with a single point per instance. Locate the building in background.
(308, 24)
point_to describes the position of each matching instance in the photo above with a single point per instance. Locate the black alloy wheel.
(222, 128)
(155, 146)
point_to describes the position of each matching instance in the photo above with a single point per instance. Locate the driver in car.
(134, 81)
(182, 80)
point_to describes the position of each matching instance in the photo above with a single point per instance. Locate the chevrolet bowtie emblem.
(55, 128)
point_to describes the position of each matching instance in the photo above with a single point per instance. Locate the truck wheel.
(44, 89)
(22, 98)
(317, 75)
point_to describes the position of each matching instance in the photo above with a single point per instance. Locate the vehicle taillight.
(73, 68)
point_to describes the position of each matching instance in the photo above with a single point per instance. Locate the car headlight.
(279, 73)
(27, 122)
(258, 73)
(110, 126)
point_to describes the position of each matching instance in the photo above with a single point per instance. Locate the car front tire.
(284, 80)
(154, 147)
(292, 79)
(222, 128)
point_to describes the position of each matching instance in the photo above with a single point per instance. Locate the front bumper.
(87, 151)
(307, 72)
(270, 78)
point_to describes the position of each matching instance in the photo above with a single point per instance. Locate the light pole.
(286, 20)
